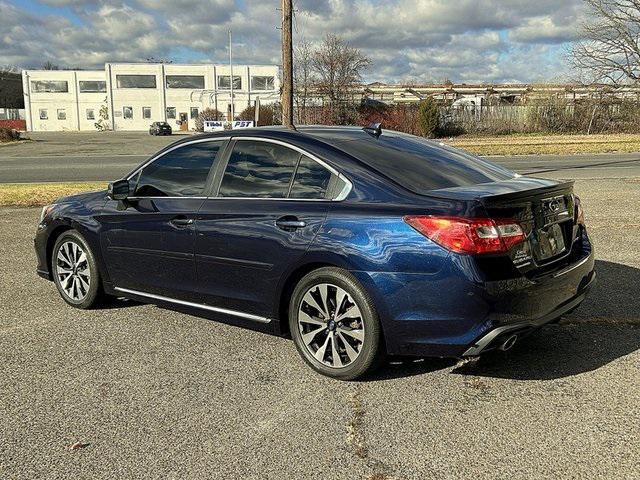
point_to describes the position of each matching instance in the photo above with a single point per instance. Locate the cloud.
(421, 40)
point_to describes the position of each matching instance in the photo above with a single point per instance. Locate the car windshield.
(421, 165)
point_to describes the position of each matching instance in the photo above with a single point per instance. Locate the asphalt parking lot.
(144, 392)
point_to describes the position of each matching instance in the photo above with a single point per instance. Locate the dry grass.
(38, 194)
(547, 144)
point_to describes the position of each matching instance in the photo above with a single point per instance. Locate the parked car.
(160, 128)
(357, 243)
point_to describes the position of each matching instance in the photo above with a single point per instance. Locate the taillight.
(579, 218)
(469, 235)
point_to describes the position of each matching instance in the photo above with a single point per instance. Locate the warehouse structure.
(130, 96)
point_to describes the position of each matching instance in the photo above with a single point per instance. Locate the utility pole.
(231, 79)
(287, 64)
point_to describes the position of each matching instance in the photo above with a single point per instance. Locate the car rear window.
(422, 165)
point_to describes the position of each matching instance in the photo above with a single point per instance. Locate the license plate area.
(553, 229)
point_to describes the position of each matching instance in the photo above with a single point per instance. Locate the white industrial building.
(130, 96)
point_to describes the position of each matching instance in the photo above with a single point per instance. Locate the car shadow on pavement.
(604, 328)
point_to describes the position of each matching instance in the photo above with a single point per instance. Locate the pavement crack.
(355, 434)
(357, 440)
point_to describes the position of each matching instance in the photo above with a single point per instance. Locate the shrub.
(267, 115)
(428, 117)
(207, 114)
(9, 135)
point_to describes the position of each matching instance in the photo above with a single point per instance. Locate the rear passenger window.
(179, 173)
(259, 169)
(311, 181)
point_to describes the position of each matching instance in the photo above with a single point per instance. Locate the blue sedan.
(356, 243)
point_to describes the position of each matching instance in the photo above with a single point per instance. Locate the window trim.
(217, 171)
(215, 195)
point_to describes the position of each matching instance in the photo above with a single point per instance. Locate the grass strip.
(537, 144)
(39, 194)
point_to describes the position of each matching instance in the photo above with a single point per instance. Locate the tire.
(72, 254)
(354, 329)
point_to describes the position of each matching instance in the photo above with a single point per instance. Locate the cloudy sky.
(418, 40)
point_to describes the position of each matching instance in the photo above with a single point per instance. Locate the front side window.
(259, 169)
(225, 84)
(92, 86)
(262, 83)
(171, 112)
(181, 172)
(49, 86)
(185, 81)
(44, 115)
(91, 114)
(136, 81)
(127, 112)
(62, 114)
(146, 112)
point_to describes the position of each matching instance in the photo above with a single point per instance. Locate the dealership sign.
(218, 125)
(213, 125)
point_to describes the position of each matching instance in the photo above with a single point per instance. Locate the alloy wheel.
(331, 325)
(72, 270)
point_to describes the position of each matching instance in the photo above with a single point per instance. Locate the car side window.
(312, 180)
(259, 169)
(179, 173)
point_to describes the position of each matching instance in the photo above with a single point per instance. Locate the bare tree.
(50, 66)
(339, 67)
(609, 50)
(303, 77)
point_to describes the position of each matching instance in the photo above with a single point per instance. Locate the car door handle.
(290, 222)
(181, 222)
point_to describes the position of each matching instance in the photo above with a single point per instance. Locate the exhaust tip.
(508, 343)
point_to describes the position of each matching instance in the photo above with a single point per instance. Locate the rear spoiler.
(520, 188)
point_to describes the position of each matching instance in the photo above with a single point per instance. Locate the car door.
(269, 203)
(148, 241)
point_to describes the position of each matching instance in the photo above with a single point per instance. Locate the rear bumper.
(456, 312)
(494, 338)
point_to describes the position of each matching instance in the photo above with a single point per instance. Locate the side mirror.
(119, 190)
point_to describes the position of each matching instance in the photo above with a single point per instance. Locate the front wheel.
(334, 324)
(75, 271)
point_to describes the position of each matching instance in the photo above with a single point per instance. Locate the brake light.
(469, 235)
(579, 218)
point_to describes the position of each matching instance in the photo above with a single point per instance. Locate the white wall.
(75, 103)
(72, 103)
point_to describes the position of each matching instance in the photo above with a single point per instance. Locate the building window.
(127, 112)
(185, 81)
(92, 86)
(136, 81)
(171, 112)
(91, 114)
(223, 82)
(262, 83)
(49, 86)
(194, 113)
(44, 115)
(146, 112)
(62, 114)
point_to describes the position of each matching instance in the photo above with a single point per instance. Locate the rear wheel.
(334, 324)
(75, 271)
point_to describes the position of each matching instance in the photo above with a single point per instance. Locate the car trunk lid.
(543, 208)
